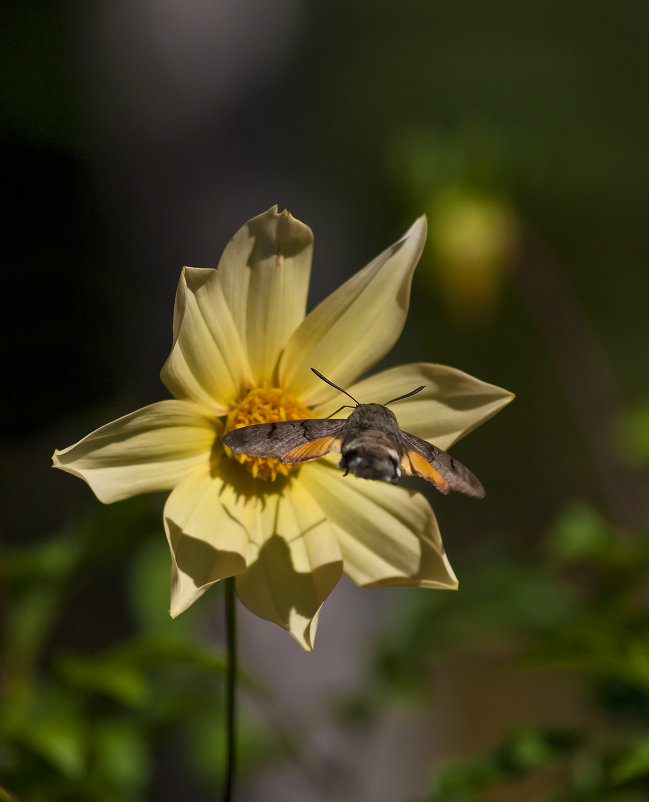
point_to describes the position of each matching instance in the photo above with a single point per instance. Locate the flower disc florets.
(265, 405)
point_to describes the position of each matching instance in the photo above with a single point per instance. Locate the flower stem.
(230, 689)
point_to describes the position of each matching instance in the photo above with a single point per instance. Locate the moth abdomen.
(371, 457)
(369, 466)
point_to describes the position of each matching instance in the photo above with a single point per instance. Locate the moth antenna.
(344, 406)
(407, 395)
(335, 386)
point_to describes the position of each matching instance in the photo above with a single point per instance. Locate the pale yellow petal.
(388, 535)
(207, 362)
(451, 405)
(297, 566)
(210, 520)
(356, 325)
(265, 273)
(151, 449)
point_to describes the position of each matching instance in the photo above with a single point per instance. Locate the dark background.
(137, 137)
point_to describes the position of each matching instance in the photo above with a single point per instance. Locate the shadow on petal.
(199, 563)
(273, 589)
(434, 571)
(238, 478)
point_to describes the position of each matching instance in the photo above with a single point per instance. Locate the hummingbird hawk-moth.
(370, 441)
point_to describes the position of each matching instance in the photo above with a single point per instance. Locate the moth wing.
(313, 449)
(289, 440)
(446, 473)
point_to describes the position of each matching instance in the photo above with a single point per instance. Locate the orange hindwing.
(414, 463)
(313, 450)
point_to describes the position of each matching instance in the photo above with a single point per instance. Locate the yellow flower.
(241, 354)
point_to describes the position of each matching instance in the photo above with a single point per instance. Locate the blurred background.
(139, 136)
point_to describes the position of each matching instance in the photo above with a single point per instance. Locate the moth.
(370, 441)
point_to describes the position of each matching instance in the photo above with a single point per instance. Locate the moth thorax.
(265, 405)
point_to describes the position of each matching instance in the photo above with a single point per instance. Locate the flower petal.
(451, 405)
(151, 449)
(265, 271)
(210, 520)
(388, 535)
(297, 566)
(207, 362)
(356, 325)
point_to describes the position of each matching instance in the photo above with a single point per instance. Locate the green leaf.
(122, 757)
(148, 590)
(51, 729)
(522, 752)
(635, 433)
(124, 683)
(635, 762)
(579, 533)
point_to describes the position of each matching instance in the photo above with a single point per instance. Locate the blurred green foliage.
(89, 725)
(577, 603)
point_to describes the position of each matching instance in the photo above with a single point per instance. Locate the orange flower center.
(265, 405)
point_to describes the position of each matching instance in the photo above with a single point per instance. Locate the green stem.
(230, 688)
